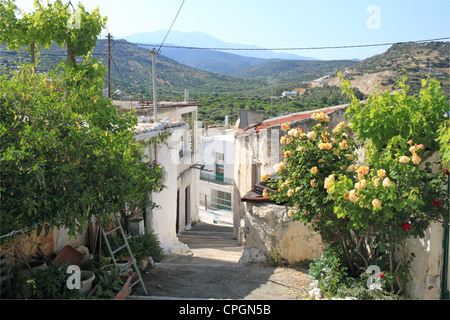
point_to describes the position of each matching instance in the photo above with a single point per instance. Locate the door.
(219, 166)
(187, 205)
(178, 212)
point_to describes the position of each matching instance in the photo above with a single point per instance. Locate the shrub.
(370, 208)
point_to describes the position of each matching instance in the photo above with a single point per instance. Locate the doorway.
(178, 212)
(187, 205)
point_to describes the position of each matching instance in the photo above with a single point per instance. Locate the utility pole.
(109, 66)
(153, 52)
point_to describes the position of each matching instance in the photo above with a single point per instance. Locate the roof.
(288, 118)
(256, 193)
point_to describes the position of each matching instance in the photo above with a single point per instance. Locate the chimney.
(249, 117)
(186, 95)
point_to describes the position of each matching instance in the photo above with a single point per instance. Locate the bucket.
(87, 277)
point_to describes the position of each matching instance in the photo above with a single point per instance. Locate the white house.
(179, 155)
(217, 177)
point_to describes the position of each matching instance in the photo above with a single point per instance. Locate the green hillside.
(291, 71)
(131, 72)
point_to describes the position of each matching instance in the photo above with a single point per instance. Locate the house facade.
(177, 204)
(217, 177)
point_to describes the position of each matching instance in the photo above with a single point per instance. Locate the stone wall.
(269, 231)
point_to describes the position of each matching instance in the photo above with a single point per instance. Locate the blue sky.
(284, 23)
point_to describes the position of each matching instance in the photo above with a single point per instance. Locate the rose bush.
(371, 208)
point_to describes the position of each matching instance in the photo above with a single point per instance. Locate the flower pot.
(122, 263)
(87, 277)
(123, 294)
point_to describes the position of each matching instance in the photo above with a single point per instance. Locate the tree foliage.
(67, 154)
(57, 22)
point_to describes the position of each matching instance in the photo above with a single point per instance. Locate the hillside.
(131, 72)
(416, 60)
(293, 71)
(211, 60)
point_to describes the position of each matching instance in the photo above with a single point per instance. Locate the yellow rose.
(325, 146)
(363, 183)
(287, 154)
(290, 213)
(290, 192)
(265, 192)
(376, 203)
(363, 170)
(358, 186)
(285, 127)
(376, 181)
(283, 139)
(415, 159)
(313, 183)
(311, 135)
(349, 156)
(352, 196)
(265, 176)
(403, 159)
(386, 182)
(279, 167)
(314, 170)
(329, 181)
(381, 173)
(344, 145)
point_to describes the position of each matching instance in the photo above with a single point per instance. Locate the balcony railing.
(216, 179)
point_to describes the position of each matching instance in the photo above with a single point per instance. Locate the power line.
(284, 49)
(129, 90)
(168, 31)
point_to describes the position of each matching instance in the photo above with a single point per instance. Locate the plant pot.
(122, 263)
(87, 277)
(122, 294)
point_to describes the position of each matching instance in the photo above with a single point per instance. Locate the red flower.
(380, 275)
(446, 172)
(436, 203)
(406, 226)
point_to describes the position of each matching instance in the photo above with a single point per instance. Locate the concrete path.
(212, 271)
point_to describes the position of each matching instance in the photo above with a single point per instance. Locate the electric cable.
(168, 31)
(281, 49)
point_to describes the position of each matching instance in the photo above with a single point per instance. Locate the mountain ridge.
(204, 40)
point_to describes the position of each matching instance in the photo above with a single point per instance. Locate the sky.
(283, 23)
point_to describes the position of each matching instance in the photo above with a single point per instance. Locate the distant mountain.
(219, 62)
(203, 40)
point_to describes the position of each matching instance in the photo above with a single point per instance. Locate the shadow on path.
(212, 272)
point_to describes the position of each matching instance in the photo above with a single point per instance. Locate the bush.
(147, 245)
(328, 269)
(51, 283)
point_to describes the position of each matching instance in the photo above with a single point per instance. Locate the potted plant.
(51, 283)
(111, 285)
